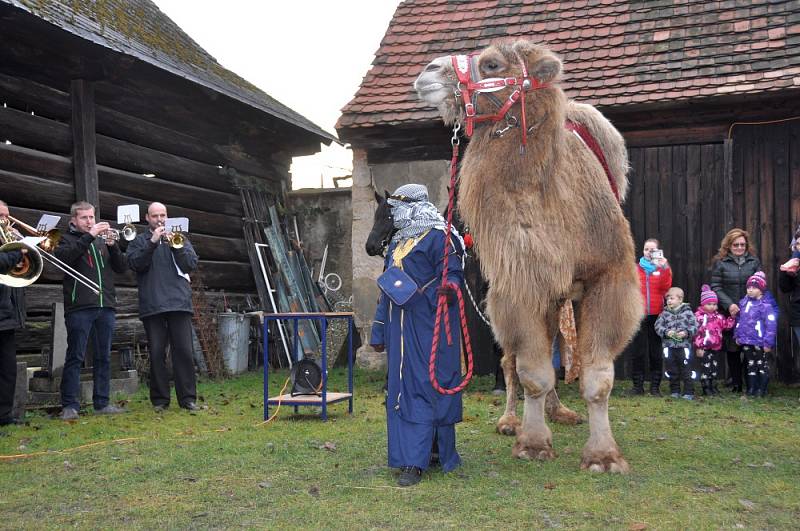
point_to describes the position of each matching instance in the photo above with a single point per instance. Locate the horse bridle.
(466, 69)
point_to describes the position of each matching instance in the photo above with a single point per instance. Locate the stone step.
(44, 391)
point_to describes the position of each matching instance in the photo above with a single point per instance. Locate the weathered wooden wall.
(689, 195)
(194, 176)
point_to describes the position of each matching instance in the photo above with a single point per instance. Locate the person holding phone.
(655, 278)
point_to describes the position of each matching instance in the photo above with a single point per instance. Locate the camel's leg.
(558, 412)
(509, 422)
(535, 371)
(610, 313)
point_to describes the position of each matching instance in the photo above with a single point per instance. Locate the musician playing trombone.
(165, 307)
(85, 249)
(12, 316)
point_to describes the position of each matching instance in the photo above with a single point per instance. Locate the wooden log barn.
(707, 95)
(111, 102)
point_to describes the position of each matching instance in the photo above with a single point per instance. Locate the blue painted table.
(325, 397)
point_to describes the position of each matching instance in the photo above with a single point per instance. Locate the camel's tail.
(610, 140)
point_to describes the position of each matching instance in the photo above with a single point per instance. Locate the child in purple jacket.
(756, 328)
(708, 338)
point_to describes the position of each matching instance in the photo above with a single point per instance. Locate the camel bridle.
(470, 85)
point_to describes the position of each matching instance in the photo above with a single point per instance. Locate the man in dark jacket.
(790, 284)
(87, 314)
(12, 316)
(165, 308)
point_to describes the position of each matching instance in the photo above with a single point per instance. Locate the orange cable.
(734, 124)
(279, 404)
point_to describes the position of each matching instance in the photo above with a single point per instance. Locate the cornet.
(110, 234)
(128, 232)
(174, 239)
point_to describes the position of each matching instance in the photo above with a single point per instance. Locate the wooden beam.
(84, 141)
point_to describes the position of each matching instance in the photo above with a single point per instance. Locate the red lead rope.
(442, 306)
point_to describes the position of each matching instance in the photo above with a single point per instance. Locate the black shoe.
(191, 406)
(409, 475)
(636, 391)
(160, 408)
(712, 386)
(655, 391)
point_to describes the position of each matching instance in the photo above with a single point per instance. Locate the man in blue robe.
(420, 421)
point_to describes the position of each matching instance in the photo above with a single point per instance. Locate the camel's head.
(437, 83)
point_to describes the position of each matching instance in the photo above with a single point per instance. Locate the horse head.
(382, 227)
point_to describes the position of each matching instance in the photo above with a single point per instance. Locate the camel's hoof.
(507, 425)
(566, 416)
(605, 462)
(529, 452)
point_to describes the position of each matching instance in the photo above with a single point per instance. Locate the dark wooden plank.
(651, 201)
(141, 160)
(727, 185)
(161, 188)
(84, 163)
(696, 254)
(794, 172)
(767, 204)
(665, 208)
(25, 129)
(34, 192)
(750, 182)
(34, 162)
(636, 200)
(718, 228)
(211, 223)
(216, 248)
(677, 251)
(29, 96)
(708, 217)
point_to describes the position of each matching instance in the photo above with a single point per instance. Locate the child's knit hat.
(759, 280)
(707, 295)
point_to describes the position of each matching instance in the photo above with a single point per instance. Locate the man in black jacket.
(165, 308)
(12, 316)
(86, 312)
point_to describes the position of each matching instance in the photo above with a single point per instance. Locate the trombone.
(45, 251)
(29, 268)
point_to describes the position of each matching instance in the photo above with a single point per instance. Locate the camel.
(548, 229)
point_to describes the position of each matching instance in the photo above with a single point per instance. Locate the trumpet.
(44, 251)
(175, 239)
(128, 232)
(110, 234)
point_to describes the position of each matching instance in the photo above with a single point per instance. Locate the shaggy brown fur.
(547, 225)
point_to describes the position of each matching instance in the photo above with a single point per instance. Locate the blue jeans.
(80, 325)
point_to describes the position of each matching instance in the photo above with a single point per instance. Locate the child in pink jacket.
(708, 339)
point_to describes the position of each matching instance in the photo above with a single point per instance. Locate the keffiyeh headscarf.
(415, 215)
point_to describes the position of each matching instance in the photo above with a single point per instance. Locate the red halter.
(466, 69)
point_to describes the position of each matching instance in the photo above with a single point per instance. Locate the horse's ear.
(542, 63)
(386, 192)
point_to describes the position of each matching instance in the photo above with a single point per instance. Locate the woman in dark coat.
(790, 283)
(733, 264)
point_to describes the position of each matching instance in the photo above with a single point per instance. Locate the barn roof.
(615, 52)
(137, 28)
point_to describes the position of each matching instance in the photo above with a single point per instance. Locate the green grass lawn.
(719, 463)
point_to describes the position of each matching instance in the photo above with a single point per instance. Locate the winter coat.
(729, 279)
(757, 322)
(681, 319)
(653, 287)
(161, 288)
(12, 300)
(791, 284)
(92, 258)
(709, 329)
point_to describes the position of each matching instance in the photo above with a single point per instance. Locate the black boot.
(712, 385)
(763, 381)
(655, 387)
(409, 475)
(751, 384)
(638, 384)
(704, 384)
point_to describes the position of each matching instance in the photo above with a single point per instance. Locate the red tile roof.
(615, 52)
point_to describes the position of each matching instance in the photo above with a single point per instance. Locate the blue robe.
(416, 414)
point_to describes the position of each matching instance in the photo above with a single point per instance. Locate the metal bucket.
(234, 338)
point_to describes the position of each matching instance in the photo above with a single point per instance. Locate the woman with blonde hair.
(734, 263)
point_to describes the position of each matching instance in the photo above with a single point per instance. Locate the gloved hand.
(448, 292)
